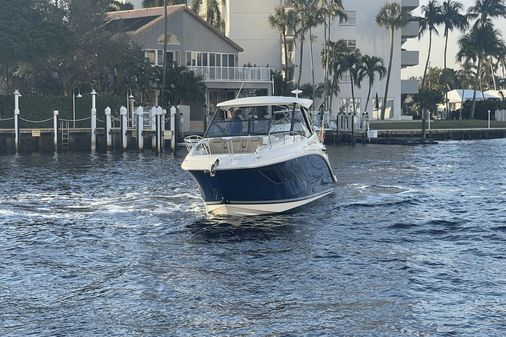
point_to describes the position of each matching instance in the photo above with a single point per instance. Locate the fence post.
(55, 130)
(353, 128)
(16, 119)
(108, 124)
(93, 121)
(124, 127)
(140, 128)
(162, 126)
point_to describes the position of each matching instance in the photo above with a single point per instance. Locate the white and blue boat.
(259, 155)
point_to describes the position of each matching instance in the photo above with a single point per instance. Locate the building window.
(205, 59)
(352, 44)
(155, 56)
(347, 104)
(376, 108)
(150, 55)
(350, 20)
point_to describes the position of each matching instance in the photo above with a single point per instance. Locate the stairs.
(65, 135)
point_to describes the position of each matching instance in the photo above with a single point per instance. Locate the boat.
(259, 155)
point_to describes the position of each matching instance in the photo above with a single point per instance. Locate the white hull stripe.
(259, 208)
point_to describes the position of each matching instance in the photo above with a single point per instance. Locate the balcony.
(409, 87)
(410, 30)
(409, 58)
(410, 4)
(233, 74)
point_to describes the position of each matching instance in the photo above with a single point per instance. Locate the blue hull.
(297, 179)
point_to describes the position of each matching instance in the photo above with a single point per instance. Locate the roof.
(266, 101)
(455, 96)
(139, 20)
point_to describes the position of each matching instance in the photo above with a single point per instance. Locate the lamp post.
(74, 104)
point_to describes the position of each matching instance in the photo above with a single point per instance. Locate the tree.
(452, 18)
(432, 17)
(483, 10)
(391, 16)
(213, 12)
(329, 9)
(29, 30)
(183, 86)
(483, 40)
(331, 55)
(369, 67)
(303, 10)
(115, 6)
(283, 20)
(350, 59)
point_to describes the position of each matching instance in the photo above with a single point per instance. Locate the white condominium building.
(246, 23)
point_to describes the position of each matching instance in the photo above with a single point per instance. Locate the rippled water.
(411, 244)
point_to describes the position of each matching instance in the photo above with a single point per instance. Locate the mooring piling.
(55, 130)
(124, 127)
(16, 119)
(173, 112)
(140, 128)
(108, 124)
(93, 121)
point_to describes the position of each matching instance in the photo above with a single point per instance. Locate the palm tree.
(483, 40)
(370, 66)
(316, 17)
(283, 20)
(213, 12)
(329, 9)
(391, 16)
(483, 10)
(331, 56)
(349, 62)
(303, 9)
(452, 18)
(432, 18)
(165, 32)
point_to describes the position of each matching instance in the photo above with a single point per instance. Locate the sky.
(437, 52)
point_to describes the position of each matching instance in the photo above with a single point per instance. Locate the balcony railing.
(233, 74)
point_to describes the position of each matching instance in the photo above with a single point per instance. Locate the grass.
(444, 124)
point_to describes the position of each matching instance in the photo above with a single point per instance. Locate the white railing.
(240, 74)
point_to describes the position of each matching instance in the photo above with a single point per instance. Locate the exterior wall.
(248, 26)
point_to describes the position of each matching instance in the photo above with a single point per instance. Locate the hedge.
(39, 108)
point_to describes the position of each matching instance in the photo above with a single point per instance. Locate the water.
(411, 244)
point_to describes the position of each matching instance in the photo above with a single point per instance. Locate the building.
(199, 46)
(246, 23)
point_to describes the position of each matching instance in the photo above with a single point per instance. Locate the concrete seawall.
(42, 140)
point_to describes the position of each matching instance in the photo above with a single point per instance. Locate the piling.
(159, 112)
(16, 120)
(140, 127)
(93, 122)
(124, 127)
(152, 116)
(173, 112)
(108, 124)
(55, 130)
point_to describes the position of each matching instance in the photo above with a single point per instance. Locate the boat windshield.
(259, 120)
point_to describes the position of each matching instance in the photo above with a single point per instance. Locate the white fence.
(500, 115)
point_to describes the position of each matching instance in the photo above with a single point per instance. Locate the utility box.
(184, 118)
